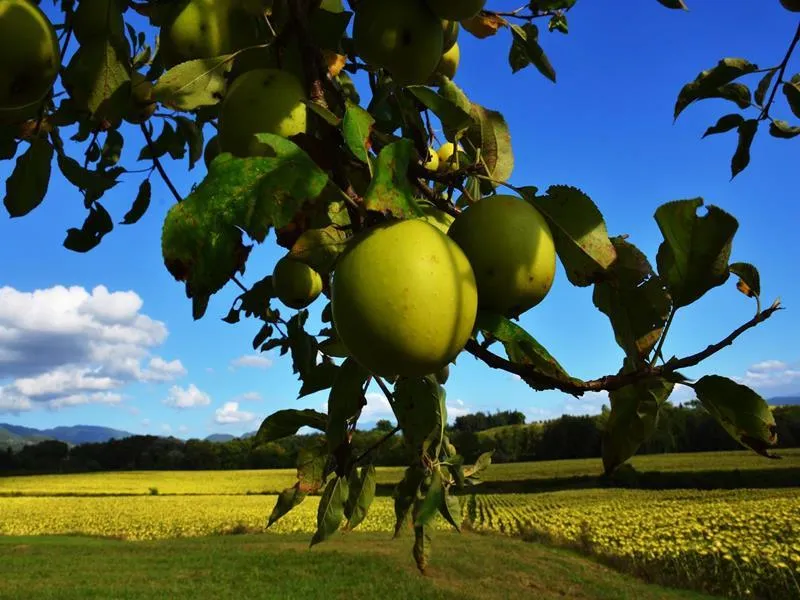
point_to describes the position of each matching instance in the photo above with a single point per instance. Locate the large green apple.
(98, 19)
(261, 101)
(438, 218)
(456, 10)
(206, 28)
(295, 283)
(450, 33)
(792, 5)
(29, 58)
(403, 37)
(403, 299)
(511, 249)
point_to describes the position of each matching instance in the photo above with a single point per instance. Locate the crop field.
(275, 480)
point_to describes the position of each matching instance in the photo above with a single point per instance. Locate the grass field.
(352, 567)
(739, 543)
(275, 480)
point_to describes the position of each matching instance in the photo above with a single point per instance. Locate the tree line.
(681, 428)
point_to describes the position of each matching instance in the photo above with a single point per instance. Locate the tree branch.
(781, 71)
(158, 164)
(540, 381)
(377, 444)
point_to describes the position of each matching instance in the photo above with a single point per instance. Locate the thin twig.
(541, 381)
(377, 444)
(158, 164)
(385, 389)
(239, 283)
(781, 71)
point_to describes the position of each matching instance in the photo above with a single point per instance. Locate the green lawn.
(350, 566)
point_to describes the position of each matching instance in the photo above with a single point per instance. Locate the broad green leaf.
(708, 83)
(319, 248)
(749, 279)
(193, 136)
(390, 191)
(284, 423)
(405, 494)
(725, 124)
(140, 204)
(420, 410)
(98, 80)
(194, 83)
(168, 141)
(452, 116)
(634, 299)
(520, 346)
(693, 258)
(455, 96)
(362, 492)
(791, 89)
(27, 185)
(783, 130)
(97, 224)
(525, 50)
(489, 133)
(579, 233)
(331, 509)
(356, 128)
(674, 4)
(745, 415)
(319, 377)
(633, 419)
(345, 400)
(326, 27)
(741, 158)
(287, 500)
(93, 183)
(763, 87)
(311, 463)
(422, 546)
(323, 112)
(483, 462)
(450, 509)
(425, 508)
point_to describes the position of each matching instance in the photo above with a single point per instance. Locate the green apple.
(403, 299)
(449, 63)
(404, 37)
(295, 283)
(432, 160)
(29, 58)
(511, 250)
(457, 10)
(260, 101)
(211, 151)
(206, 28)
(450, 33)
(445, 153)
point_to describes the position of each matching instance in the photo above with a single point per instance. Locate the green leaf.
(93, 183)
(490, 134)
(319, 248)
(193, 136)
(286, 422)
(520, 346)
(390, 191)
(27, 185)
(328, 116)
(693, 258)
(547, 5)
(194, 83)
(674, 4)
(483, 462)
(450, 509)
(326, 27)
(427, 507)
(140, 204)
(745, 415)
(783, 130)
(634, 299)
(725, 124)
(763, 87)
(167, 141)
(422, 546)
(558, 23)
(420, 410)
(579, 233)
(112, 149)
(633, 419)
(97, 224)
(709, 83)
(405, 494)
(362, 492)
(331, 509)
(345, 400)
(98, 80)
(791, 89)
(741, 158)
(452, 116)
(525, 50)
(319, 377)
(749, 279)
(311, 463)
(287, 500)
(455, 96)
(356, 129)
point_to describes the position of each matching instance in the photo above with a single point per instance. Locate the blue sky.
(137, 361)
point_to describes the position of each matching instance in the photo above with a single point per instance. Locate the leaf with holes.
(749, 280)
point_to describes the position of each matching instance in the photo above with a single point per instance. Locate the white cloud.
(772, 377)
(378, 407)
(230, 414)
(183, 428)
(66, 346)
(249, 397)
(769, 365)
(457, 408)
(258, 361)
(189, 397)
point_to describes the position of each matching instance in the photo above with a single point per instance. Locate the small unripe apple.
(432, 160)
(296, 284)
(449, 63)
(445, 152)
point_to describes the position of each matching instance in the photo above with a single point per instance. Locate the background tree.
(350, 186)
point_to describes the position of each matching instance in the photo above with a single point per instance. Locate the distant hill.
(220, 437)
(784, 401)
(74, 434)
